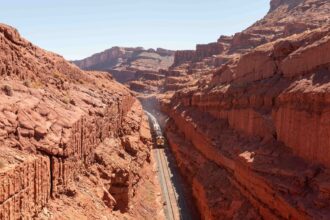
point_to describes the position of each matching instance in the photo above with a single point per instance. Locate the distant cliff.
(136, 67)
(128, 58)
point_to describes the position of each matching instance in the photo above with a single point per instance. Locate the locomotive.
(160, 140)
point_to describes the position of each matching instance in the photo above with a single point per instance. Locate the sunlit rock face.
(66, 140)
(138, 68)
(254, 117)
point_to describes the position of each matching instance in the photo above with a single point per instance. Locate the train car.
(157, 132)
(160, 140)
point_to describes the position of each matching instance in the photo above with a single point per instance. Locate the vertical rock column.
(86, 134)
(24, 184)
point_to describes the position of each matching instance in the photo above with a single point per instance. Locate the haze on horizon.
(78, 29)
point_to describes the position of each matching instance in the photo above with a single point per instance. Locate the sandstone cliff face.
(202, 51)
(117, 57)
(55, 121)
(182, 56)
(285, 18)
(257, 123)
(138, 68)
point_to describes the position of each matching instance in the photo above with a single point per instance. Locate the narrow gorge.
(248, 117)
(246, 121)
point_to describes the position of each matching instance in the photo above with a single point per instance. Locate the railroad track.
(172, 210)
(166, 185)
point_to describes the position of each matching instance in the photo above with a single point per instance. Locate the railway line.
(166, 187)
(163, 173)
(172, 190)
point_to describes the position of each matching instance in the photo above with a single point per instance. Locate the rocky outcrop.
(182, 56)
(207, 50)
(307, 59)
(118, 177)
(54, 121)
(202, 51)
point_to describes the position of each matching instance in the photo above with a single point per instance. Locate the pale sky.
(79, 28)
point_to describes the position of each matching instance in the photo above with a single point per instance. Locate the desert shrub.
(27, 83)
(57, 74)
(8, 90)
(72, 102)
(36, 85)
(66, 99)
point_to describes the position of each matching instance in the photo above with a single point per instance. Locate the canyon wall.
(202, 51)
(256, 125)
(57, 124)
(182, 56)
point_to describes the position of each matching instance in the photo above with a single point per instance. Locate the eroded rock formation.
(73, 143)
(253, 117)
(138, 68)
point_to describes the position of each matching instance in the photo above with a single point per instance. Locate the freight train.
(160, 140)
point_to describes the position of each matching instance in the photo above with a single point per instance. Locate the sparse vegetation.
(72, 102)
(27, 83)
(66, 99)
(8, 90)
(57, 74)
(36, 84)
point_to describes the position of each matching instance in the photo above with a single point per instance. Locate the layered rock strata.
(54, 119)
(259, 120)
(138, 68)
